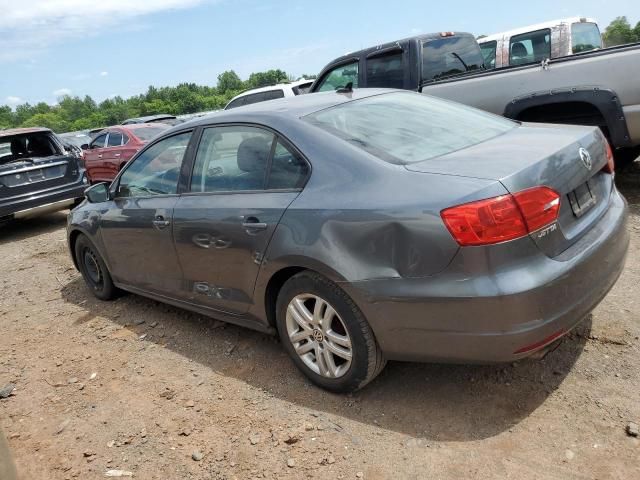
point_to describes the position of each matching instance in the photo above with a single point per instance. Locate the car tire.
(94, 270)
(316, 320)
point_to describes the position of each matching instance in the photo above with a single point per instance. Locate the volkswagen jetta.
(365, 226)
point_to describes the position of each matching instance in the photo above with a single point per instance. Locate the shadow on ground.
(17, 230)
(434, 402)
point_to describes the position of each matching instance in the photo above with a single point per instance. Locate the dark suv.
(37, 175)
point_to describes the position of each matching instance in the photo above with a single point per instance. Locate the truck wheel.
(326, 334)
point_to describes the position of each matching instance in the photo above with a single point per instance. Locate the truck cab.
(393, 65)
(535, 43)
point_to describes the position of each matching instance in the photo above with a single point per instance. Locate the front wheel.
(94, 270)
(326, 334)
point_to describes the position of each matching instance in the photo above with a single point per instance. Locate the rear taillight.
(610, 166)
(502, 218)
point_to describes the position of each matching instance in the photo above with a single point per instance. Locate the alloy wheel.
(319, 336)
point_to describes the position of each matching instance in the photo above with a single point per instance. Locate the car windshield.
(404, 128)
(147, 133)
(585, 37)
(447, 56)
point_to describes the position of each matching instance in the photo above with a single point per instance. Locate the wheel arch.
(593, 105)
(270, 283)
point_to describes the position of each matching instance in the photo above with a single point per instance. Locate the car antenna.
(348, 88)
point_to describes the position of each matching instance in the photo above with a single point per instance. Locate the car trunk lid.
(569, 160)
(23, 176)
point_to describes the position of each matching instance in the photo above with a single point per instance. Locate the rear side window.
(585, 37)
(404, 128)
(273, 94)
(339, 77)
(231, 159)
(530, 47)
(288, 169)
(448, 56)
(488, 50)
(385, 71)
(115, 139)
(238, 102)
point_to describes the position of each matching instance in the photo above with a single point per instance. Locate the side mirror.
(84, 146)
(97, 193)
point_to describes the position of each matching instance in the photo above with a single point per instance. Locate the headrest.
(518, 50)
(253, 154)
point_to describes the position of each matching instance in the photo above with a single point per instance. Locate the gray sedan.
(364, 226)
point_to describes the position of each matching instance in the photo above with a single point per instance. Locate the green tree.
(619, 32)
(264, 79)
(229, 80)
(6, 117)
(50, 120)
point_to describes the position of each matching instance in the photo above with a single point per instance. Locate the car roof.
(292, 107)
(534, 27)
(21, 131)
(277, 86)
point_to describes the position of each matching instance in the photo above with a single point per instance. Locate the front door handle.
(159, 222)
(100, 155)
(252, 224)
(116, 155)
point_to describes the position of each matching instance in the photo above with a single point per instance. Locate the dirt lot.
(138, 386)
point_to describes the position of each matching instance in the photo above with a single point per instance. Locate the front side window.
(232, 159)
(156, 170)
(115, 139)
(585, 37)
(385, 71)
(339, 77)
(404, 128)
(488, 50)
(99, 141)
(530, 47)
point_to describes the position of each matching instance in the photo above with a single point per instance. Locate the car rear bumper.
(474, 313)
(42, 202)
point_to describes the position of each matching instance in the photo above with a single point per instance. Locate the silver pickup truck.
(593, 88)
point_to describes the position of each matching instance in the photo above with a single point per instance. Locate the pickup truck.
(598, 88)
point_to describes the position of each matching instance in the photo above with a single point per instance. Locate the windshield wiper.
(466, 68)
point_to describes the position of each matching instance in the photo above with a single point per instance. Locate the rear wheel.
(94, 270)
(326, 335)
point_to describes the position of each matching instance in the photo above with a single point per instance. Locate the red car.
(105, 156)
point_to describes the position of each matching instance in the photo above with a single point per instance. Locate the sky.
(103, 48)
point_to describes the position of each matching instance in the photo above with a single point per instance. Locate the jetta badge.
(585, 157)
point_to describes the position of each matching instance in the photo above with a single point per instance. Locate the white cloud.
(104, 74)
(61, 92)
(31, 26)
(13, 101)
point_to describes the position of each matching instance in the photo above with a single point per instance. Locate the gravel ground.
(141, 387)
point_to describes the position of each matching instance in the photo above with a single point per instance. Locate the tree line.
(74, 113)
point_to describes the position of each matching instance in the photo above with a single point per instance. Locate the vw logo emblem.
(586, 158)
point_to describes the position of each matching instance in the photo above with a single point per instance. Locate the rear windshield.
(146, 134)
(404, 128)
(31, 145)
(585, 37)
(447, 56)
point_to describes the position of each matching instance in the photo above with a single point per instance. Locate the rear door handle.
(159, 222)
(252, 224)
(100, 156)
(116, 155)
